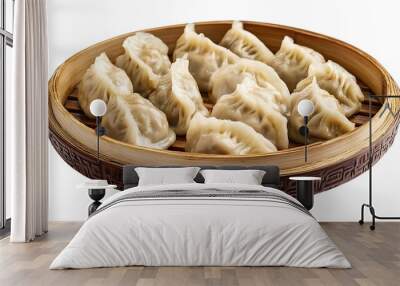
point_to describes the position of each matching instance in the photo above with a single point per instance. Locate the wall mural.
(175, 97)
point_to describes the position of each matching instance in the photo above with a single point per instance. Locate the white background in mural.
(370, 25)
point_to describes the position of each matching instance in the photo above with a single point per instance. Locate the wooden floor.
(375, 257)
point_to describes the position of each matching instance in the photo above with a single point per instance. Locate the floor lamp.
(304, 184)
(370, 204)
(98, 108)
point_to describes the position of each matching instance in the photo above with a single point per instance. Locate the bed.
(201, 224)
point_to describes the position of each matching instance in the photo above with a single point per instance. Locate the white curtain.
(28, 143)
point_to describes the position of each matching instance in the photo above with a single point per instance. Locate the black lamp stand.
(97, 194)
(100, 131)
(370, 204)
(304, 132)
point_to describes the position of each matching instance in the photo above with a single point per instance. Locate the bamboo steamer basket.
(336, 161)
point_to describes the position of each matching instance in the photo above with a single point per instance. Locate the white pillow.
(247, 177)
(166, 176)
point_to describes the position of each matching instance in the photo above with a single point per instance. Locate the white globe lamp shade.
(305, 107)
(98, 107)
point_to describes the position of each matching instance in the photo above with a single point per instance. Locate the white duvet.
(200, 231)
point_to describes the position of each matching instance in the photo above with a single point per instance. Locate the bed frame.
(271, 179)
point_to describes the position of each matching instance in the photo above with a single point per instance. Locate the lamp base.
(96, 195)
(374, 216)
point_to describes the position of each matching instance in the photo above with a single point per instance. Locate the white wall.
(370, 25)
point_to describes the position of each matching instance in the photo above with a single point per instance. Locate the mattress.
(201, 225)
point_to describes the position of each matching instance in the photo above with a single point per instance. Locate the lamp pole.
(305, 138)
(305, 108)
(98, 137)
(98, 108)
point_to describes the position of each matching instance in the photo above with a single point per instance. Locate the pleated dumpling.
(135, 120)
(292, 61)
(205, 57)
(247, 104)
(215, 136)
(145, 60)
(100, 81)
(326, 122)
(178, 96)
(225, 80)
(245, 44)
(337, 81)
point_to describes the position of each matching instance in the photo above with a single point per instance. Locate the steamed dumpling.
(205, 57)
(178, 96)
(326, 122)
(134, 120)
(292, 61)
(100, 81)
(339, 82)
(225, 80)
(145, 60)
(246, 104)
(216, 136)
(245, 44)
